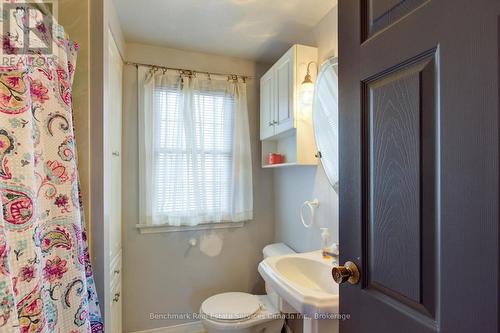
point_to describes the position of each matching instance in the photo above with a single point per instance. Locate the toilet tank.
(272, 250)
(278, 249)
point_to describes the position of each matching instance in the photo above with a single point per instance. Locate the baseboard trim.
(194, 327)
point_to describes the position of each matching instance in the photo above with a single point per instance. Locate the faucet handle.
(331, 252)
(335, 249)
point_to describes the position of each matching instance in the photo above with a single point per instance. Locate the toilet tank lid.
(278, 249)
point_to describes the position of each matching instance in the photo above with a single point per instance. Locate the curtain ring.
(188, 73)
(164, 71)
(209, 77)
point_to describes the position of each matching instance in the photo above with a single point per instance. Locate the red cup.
(274, 158)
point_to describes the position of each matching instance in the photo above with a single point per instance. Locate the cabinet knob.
(116, 298)
(116, 153)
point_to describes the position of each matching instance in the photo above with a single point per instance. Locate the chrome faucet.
(332, 253)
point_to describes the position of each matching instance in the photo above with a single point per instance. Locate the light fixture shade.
(307, 88)
(307, 93)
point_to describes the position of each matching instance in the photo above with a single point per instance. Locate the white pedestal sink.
(305, 282)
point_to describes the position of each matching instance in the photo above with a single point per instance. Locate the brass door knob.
(349, 272)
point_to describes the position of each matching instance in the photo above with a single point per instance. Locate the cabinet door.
(284, 80)
(116, 308)
(267, 105)
(115, 132)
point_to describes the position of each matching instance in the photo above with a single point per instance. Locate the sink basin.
(309, 274)
(304, 281)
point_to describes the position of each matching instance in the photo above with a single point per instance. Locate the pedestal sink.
(304, 281)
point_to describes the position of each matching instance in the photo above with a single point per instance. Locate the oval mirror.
(325, 119)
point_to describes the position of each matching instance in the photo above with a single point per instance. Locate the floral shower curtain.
(46, 281)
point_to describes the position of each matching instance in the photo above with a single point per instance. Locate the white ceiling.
(254, 29)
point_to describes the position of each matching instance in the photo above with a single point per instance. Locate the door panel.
(399, 111)
(284, 92)
(381, 14)
(115, 137)
(267, 105)
(418, 139)
(393, 225)
(116, 308)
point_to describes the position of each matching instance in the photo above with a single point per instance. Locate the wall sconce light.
(307, 87)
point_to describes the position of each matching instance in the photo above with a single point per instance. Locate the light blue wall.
(161, 273)
(294, 185)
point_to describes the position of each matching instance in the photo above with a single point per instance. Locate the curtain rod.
(137, 64)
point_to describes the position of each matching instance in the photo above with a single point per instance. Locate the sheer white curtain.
(194, 149)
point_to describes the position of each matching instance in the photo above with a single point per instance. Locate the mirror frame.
(328, 63)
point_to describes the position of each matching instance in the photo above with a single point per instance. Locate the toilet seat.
(231, 307)
(266, 318)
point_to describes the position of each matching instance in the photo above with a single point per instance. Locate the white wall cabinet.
(286, 124)
(113, 283)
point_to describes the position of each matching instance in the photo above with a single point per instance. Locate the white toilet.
(245, 313)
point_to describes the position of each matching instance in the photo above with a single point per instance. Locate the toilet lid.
(231, 306)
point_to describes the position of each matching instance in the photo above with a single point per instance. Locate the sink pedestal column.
(312, 325)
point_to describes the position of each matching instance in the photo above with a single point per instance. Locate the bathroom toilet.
(238, 312)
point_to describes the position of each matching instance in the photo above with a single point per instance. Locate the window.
(194, 151)
(190, 178)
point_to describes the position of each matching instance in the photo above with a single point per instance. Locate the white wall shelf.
(280, 165)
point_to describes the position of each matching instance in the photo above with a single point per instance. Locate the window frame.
(166, 227)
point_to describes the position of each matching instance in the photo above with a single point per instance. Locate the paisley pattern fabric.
(46, 281)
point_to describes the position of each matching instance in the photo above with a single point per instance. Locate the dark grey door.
(419, 176)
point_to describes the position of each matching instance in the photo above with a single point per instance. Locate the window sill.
(156, 229)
